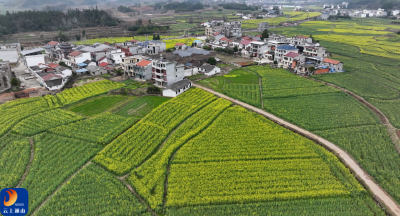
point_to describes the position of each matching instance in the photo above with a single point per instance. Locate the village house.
(96, 70)
(262, 26)
(232, 29)
(281, 51)
(141, 70)
(213, 29)
(177, 88)
(116, 56)
(5, 76)
(299, 40)
(209, 70)
(315, 51)
(288, 59)
(334, 65)
(76, 57)
(166, 73)
(33, 57)
(258, 48)
(180, 46)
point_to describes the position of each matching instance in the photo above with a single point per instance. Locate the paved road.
(362, 175)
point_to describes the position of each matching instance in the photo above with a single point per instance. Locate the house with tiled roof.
(76, 57)
(244, 44)
(180, 46)
(288, 59)
(334, 65)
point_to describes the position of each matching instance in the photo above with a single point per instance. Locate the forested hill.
(24, 21)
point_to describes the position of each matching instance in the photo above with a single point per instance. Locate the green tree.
(14, 81)
(311, 69)
(212, 61)
(235, 49)
(264, 34)
(83, 33)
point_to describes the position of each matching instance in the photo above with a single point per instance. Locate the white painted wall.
(34, 60)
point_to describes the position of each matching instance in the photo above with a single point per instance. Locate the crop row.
(149, 178)
(56, 158)
(97, 105)
(93, 191)
(140, 107)
(44, 121)
(13, 112)
(100, 129)
(236, 160)
(14, 157)
(141, 141)
(360, 206)
(79, 93)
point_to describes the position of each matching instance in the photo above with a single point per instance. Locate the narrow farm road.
(382, 117)
(362, 175)
(29, 164)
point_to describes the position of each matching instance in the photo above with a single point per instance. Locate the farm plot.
(367, 88)
(44, 121)
(141, 141)
(373, 149)
(171, 43)
(140, 107)
(14, 157)
(72, 95)
(391, 108)
(99, 129)
(95, 192)
(321, 111)
(97, 105)
(56, 158)
(245, 158)
(328, 206)
(240, 84)
(149, 178)
(14, 111)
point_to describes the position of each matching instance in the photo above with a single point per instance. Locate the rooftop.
(178, 85)
(52, 43)
(103, 64)
(331, 61)
(208, 68)
(179, 44)
(27, 52)
(292, 54)
(286, 47)
(143, 63)
(75, 53)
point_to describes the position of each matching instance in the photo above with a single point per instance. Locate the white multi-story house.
(288, 59)
(167, 73)
(76, 57)
(300, 40)
(315, 51)
(116, 56)
(258, 48)
(281, 51)
(33, 57)
(155, 47)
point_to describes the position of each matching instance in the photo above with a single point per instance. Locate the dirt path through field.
(362, 175)
(259, 85)
(29, 164)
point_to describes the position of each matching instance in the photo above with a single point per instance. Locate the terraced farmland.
(193, 154)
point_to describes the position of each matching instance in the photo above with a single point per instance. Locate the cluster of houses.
(299, 53)
(140, 60)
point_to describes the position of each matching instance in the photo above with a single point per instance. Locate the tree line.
(32, 20)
